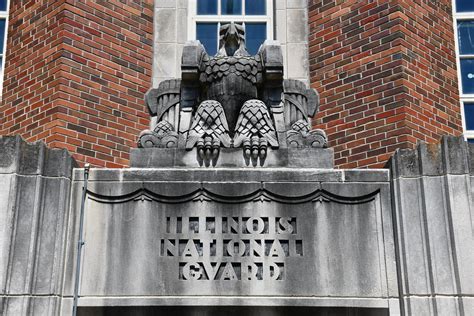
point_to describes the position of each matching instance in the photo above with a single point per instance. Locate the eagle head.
(232, 40)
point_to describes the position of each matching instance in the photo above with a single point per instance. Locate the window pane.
(467, 75)
(207, 7)
(231, 7)
(3, 5)
(255, 7)
(255, 35)
(469, 116)
(470, 140)
(466, 36)
(2, 34)
(207, 34)
(464, 5)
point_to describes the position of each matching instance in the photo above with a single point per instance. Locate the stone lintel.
(233, 157)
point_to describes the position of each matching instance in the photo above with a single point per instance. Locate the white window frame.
(4, 15)
(464, 97)
(194, 18)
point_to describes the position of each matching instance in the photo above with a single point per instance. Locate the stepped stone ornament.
(300, 135)
(232, 100)
(163, 136)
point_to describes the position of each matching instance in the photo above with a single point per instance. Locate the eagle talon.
(216, 145)
(255, 147)
(200, 148)
(255, 132)
(263, 149)
(246, 147)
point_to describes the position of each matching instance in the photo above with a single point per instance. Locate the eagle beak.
(231, 40)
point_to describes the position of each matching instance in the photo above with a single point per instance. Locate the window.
(206, 16)
(464, 28)
(3, 37)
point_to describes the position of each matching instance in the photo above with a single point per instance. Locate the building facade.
(241, 209)
(386, 71)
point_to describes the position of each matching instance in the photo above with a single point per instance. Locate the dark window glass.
(207, 7)
(470, 140)
(466, 36)
(207, 34)
(231, 7)
(467, 75)
(2, 34)
(256, 33)
(464, 5)
(255, 7)
(469, 115)
(3, 5)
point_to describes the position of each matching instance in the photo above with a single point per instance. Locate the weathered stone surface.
(432, 203)
(344, 229)
(20, 157)
(232, 157)
(450, 156)
(34, 198)
(349, 241)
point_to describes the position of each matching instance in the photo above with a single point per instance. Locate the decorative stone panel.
(268, 237)
(433, 216)
(34, 199)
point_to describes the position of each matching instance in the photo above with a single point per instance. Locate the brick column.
(386, 73)
(75, 76)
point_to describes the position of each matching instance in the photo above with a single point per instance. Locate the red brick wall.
(386, 74)
(76, 73)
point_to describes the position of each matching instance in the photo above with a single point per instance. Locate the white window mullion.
(270, 21)
(464, 98)
(4, 15)
(194, 18)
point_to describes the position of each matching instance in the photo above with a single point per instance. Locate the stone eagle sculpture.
(232, 100)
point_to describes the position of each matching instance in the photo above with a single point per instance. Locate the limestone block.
(432, 198)
(182, 26)
(297, 61)
(7, 202)
(20, 157)
(281, 26)
(179, 54)
(468, 305)
(232, 157)
(297, 26)
(280, 5)
(165, 3)
(182, 4)
(342, 227)
(34, 198)
(164, 65)
(165, 26)
(296, 4)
